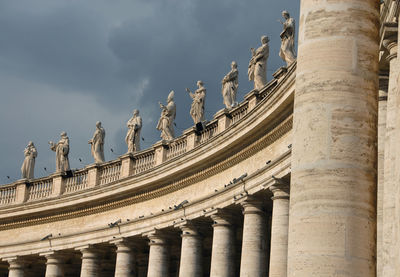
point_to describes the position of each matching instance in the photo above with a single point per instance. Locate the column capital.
(156, 237)
(279, 190)
(89, 251)
(390, 43)
(220, 218)
(123, 245)
(188, 228)
(251, 205)
(15, 262)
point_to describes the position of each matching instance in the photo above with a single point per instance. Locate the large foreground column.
(191, 251)
(279, 230)
(158, 256)
(332, 224)
(223, 254)
(253, 262)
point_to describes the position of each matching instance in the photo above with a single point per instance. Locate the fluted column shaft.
(253, 261)
(16, 268)
(158, 256)
(191, 252)
(223, 253)
(90, 262)
(54, 265)
(125, 264)
(279, 230)
(332, 223)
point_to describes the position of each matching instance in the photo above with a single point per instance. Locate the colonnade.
(256, 245)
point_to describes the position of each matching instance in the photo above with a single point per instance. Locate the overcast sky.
(64, 64)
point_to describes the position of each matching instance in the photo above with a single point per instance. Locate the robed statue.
(257, 71)
(97, 143)
(230, 85)
(132, 137)
(166, 121)
(28, 165)
(287, 52)
(62, 149)
(199, 97)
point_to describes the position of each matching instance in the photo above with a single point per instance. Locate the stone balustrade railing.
(131, 164)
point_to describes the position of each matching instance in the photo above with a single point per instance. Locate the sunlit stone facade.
(300, 179)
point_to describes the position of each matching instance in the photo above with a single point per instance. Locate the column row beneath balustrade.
(254, 252)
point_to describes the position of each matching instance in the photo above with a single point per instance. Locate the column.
(388, 258)
(279, 230)
(158, 256)
(332, 223)
(223, 253)
(90, 262)
(125, 264)
(191, 263)
(54, 264)
(142, 265)
(253, 260)
(382, 108)
(16, 268)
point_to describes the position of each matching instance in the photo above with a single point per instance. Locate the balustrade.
(144, 161)
(78, 181)
(110, 172)
(40, 189)
(210, 131)
(177, 148)
(8, 195)
(239, 113)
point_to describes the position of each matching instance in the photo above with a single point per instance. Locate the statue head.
(135, 112)
(233, 65)
(63, 134)
(171, 96)
(285, 14)
(98, 124)
(264, 39)
(30, 143)
(200, 83)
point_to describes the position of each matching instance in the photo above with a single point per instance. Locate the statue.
(62, 149)
(287, 52)
(166, 121)
(258, 64)
(28, 166)
(197, 108)
(132, 138)
(230, 85)
(97, 143)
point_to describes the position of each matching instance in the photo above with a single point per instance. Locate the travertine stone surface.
(16, 268)
(125, 263)
(54, 265)
(332, 226)
(158, 256)
(90, 262)
(253, 259)
(223, 252)
(391, 145)
(279, 230)
(191, 251)
(382, 108)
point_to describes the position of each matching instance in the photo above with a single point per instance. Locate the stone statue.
(132, 138)
(166, 121)
(62, 149)
(199, 97)
(258, 64)
(97, 143)
(287, 52)
(230, 85)
(28, 166)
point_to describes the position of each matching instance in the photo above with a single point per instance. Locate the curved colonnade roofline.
(201, 176)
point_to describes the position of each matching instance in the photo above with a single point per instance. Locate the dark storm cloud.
(66, 64)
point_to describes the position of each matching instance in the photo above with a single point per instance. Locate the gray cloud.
(66, 64)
